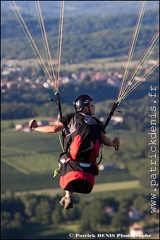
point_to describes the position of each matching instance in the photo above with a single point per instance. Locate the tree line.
(17, 212)
(87, 38)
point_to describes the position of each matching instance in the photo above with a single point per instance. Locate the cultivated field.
(101, 187)
(28, 161)
(97, 64)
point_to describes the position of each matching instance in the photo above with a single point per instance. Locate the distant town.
(9, 70)
(16, 77)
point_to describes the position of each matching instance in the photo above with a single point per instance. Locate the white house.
(136, 230)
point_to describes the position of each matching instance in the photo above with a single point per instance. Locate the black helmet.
(81, 101)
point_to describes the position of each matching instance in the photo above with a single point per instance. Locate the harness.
(81, 146)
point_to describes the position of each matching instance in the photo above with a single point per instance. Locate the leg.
(66, 201)
(68, 194)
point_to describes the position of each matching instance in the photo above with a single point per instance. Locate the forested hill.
(83, 38)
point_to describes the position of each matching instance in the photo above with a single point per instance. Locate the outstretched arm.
(45, 129)
(106, 141)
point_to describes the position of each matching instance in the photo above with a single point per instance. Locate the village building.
(136, 230)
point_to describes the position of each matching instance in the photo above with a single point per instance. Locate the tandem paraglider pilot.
(83, 137)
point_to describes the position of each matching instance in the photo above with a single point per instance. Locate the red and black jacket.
(82, 138)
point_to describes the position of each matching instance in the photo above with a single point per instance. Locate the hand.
(116, 141)
(33, 123)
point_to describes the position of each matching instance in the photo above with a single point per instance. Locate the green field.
(28, 161)
(101, 187)
(97, 64)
